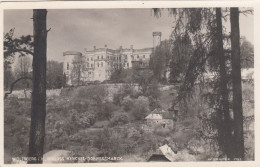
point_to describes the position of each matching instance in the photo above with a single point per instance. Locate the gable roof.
(154, 116)
(159, 114)
(164, 153)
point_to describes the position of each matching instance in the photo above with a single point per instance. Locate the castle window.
(87, 59)
(91, 58)
(91, 65)
(68, 66)
(101, 64)
(98, 57)
(137, 56)
(98, 64)
(143, 56)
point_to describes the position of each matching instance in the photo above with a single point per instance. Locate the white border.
(143, 4)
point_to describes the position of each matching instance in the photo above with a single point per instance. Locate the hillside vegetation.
(84, 120)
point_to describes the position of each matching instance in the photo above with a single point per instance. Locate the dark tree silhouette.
(38, 106)
(224, 129)
(236, 82)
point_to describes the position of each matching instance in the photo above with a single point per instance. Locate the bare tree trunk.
(38, 107)
(225, 135)
(236, 81)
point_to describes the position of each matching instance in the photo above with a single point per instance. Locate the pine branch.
(19, 50)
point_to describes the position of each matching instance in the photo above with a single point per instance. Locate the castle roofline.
(72, 53)
(118, 50)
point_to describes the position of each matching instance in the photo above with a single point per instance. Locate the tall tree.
(160, 60)
(38, 106)
(224, 129)
(77, 70)
(204, 26)
(23, 66)
(236, 83)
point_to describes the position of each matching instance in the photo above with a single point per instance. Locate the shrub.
(140, 108)
(119, 119)
(104, 111)
(127, 103)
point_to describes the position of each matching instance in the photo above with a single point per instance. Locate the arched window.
(68, 66)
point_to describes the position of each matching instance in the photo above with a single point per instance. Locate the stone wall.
(28, 93)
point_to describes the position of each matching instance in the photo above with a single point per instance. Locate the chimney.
(131, 46)
(94, 47)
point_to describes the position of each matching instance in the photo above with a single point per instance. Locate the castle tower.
(156, 38)
(69, 57)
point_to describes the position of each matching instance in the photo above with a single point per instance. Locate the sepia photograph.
(111, 85)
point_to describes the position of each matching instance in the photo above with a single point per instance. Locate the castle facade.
(99, 63)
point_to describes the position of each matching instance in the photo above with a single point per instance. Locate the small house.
(160, 118)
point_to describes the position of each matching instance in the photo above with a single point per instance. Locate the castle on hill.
(99, 63)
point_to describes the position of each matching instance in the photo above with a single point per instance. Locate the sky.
(74, 30)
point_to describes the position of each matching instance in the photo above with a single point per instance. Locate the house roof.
(167, 152)
(159, 158)
(164, 153)
(154, 116)
(159, 114)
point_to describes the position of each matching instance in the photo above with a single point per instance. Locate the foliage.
(11, 45)
(127, 103)
(104, 112)
(8, 78)
(122, 76)
(181, 51)
(247, 54)
(94, 93)
(77, 71)
(67, 128)
(140, 108)
(23, 66)
(160, 59)
(21, 46)
(54, 75)
(119, 119)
